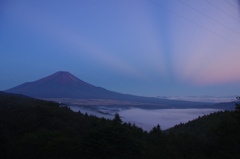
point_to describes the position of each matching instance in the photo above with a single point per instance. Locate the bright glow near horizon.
(141, 47)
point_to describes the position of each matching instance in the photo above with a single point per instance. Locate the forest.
(32, 128)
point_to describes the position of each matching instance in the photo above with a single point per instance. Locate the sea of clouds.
(147, 119)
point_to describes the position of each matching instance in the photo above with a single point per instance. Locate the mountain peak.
(62, 72)
(59, 84)
(63, 78)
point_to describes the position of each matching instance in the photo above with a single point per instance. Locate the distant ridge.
(65, 87)
(13, 94)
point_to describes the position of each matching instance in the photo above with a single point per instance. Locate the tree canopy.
(31, 128)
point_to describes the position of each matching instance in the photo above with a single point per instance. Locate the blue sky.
(140, 47)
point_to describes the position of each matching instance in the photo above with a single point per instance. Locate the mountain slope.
(63, 85)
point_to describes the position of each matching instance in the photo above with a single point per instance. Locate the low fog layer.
(210, 99)
(147, 119)
(166, 118)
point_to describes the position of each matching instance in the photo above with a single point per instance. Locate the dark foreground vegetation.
(33, 129)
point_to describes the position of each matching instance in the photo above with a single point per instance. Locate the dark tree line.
(31, 128)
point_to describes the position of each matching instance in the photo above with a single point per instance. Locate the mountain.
(61, 85)
(65, 87)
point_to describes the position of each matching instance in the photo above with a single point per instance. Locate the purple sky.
(140, 47)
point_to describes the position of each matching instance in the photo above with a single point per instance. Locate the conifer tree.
(117, 119)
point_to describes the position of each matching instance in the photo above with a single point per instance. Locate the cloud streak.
(206, 56)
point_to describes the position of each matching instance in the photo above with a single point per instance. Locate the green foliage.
(31, 128)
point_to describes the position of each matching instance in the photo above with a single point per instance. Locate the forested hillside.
(31, 128)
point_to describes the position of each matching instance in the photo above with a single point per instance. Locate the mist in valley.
(147, 119)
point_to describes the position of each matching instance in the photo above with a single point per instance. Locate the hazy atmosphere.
(140, 47)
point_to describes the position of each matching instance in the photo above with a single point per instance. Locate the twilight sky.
(140, 47)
